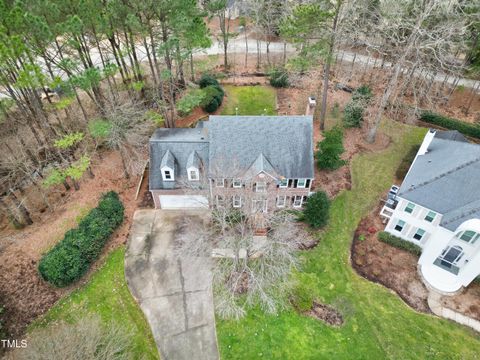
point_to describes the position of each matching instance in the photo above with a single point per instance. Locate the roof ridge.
(438, 177)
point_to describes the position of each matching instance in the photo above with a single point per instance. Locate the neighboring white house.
(439, 209)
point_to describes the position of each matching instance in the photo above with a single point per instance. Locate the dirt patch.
(326, 314)
(467, 303)
(384, 264)
(22, 291)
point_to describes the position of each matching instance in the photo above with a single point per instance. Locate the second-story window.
(430, 216)
(261, 186)
(409, 208)
(220, 182)
(301, 183)
(237, 183)
(283, 183)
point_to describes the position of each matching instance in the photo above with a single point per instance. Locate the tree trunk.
(12, 217)
(22, 209)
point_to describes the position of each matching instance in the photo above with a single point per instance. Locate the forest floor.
(24, 294)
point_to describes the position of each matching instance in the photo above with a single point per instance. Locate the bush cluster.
(213, 97)
(207, 80)
(330, 149)
(278, 77)
(353, 112)
(67, 261)
(452, 124)
(390, 239)
(191, 99)
(316, 210)
(407, 161)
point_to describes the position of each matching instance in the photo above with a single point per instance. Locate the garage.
(183, 201)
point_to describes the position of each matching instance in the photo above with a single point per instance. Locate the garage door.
(183, 201)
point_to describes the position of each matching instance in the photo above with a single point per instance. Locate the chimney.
(426, 142)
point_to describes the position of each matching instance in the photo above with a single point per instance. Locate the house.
(260, 163)
(438, 208)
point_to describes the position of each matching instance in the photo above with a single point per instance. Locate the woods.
(95, 75)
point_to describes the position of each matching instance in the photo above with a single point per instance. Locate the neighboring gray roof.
(451, 135)
(446, 179)
(285, 141)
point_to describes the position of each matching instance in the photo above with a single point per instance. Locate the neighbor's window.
(220, 182)
(297, 201)
(409, 208)
(237, 183)
(430, 216)
(281, 200)
(400, 225)
(419, 234)
(261, 186)
(237, 201)
(301, 183)
(468, 236)
(283, 183)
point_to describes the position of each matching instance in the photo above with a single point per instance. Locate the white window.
(297, 201)
(237, 183)
(430, 216)
(220, 182)
(419, 234)
(193, 174)
(283, 183)
(167, 174)
(301, 183)
(400, 225)
(281, 200)
(409, 208)
(261, 186)
(237, 201)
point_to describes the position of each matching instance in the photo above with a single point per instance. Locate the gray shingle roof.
(242, 146)
(446, 179)
(285, 141)
(168, 160)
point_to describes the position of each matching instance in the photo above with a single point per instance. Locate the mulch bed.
(326, 314)
(381, 263)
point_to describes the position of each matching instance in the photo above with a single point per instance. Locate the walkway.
(174, 294)
(434, 302)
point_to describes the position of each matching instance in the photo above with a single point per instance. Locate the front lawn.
(378, 324)
(250, 100)
(107, 295)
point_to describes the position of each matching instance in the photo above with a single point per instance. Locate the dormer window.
(168, 174)
(193, 174)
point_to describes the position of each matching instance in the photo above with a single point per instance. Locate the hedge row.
(390, 239)
(70, 258)
(449, 123)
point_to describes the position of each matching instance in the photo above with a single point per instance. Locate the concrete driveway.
(175, 294)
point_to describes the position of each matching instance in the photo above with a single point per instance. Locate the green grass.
(107, 295)
(378, 324)
(250, 100)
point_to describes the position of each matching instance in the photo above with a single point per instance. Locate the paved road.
(175, 294)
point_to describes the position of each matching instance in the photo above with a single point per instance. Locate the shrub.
(207, 80)
(449, 123)
(213, 97)
(390, 239)
(330, 149)
(278, 77)
(407, 160)
(363, 93)
(87, 339)
(316, 210)
(353, 114)
(71, 257)
(190, 101)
